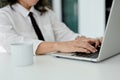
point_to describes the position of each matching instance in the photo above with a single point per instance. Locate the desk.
(47, 67)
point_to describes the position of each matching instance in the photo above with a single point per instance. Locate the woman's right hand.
(75, 46)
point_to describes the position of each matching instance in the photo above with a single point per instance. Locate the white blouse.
(15, 26)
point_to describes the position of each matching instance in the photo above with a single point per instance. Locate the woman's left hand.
(95, 42)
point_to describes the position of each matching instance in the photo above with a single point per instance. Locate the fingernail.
(95, 50)
(88, 52)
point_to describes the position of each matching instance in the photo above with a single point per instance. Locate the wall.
(92, 17)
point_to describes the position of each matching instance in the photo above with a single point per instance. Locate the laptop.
(111, 42)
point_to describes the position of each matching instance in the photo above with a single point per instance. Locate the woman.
(16, 26)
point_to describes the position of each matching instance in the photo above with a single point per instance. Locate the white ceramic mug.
(22, 54)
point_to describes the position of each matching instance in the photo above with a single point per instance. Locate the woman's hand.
(93, 41)
(75, 46)
(81, 44)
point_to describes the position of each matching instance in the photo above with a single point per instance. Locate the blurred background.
(86, 17)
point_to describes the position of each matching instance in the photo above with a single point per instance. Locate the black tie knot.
(30, 14)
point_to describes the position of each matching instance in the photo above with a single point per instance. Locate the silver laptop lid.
(111, 42)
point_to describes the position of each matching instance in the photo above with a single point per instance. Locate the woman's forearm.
(46, 47)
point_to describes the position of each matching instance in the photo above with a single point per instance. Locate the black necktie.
(36, 27)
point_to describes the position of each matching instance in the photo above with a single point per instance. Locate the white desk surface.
(50, 68)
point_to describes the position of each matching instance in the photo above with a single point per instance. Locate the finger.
(82, 50)
(96, 42)
(101, 39)
(90, 48)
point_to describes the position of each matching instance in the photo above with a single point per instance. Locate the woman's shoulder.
(6, 12)
(5, 9)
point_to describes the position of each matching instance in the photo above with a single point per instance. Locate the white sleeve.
(9, 36)
(62, 32)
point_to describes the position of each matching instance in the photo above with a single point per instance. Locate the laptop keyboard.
(90, 55)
